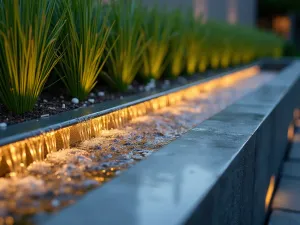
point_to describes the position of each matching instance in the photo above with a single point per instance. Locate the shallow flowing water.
(66, 175)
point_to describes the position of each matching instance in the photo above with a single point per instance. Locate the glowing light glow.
(232, 11)
(19, 155)
(291, 132)
(270, 192)
(282, 25)
(201, 9)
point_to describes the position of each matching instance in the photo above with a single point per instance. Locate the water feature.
(108, 145)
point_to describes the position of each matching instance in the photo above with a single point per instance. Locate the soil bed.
(65, 175)
(53, 102)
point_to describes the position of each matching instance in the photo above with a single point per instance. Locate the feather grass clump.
(27, 50)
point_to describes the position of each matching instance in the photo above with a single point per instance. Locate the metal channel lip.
(33, 128)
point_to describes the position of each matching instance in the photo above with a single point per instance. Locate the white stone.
(3, 125)
(182, 80)
(91, 100)
(151, 85)
(45, 100)
(75, 100)
(101, 94)
(45, 115)
(167, 83)
(63, 106)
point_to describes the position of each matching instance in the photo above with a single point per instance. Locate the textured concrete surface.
(295, 152)
(244, 12)
(284, 218)
(216, 174)
(288, 195)
(291, 169)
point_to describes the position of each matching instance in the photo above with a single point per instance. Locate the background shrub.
(127, 41)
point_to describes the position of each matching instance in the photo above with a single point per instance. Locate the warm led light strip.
(18, 155)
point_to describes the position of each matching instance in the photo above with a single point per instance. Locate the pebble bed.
(66, 175)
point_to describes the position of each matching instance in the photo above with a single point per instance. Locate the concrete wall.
(233, 11)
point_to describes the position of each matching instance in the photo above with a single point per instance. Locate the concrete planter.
(217, 173)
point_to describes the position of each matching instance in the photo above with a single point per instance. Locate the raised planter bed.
(216, 173)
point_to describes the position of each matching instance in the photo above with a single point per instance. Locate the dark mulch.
(57, 101)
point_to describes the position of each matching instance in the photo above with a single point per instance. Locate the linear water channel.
(59, 179)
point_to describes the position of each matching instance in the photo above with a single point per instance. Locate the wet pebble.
(39, 168)
(124, 157)
(137, 157)
(3, 209)
(89, 184)
(69, 170)
(109, 164)
(55, 203)
(98, 147)
(31, 186)
(108, 156)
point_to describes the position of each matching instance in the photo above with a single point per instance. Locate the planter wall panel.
(263, 167)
